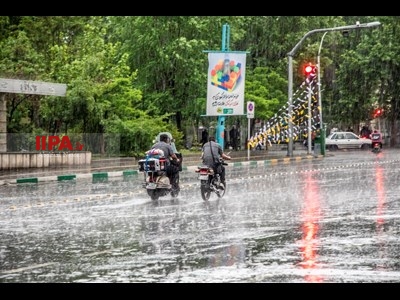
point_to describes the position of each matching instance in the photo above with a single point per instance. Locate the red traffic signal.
(378, 112)
(309, 70)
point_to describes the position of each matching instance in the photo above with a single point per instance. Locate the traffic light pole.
(321, 124)
(309, 140)
(290, 75)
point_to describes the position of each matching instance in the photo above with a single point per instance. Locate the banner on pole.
(225, 83)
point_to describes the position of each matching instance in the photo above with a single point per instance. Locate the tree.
(268, 90)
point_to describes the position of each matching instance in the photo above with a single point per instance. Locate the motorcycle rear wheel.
(154, 195)
(376, 150)
(174, 193)
(205, 190)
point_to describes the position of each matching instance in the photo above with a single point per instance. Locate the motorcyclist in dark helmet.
(171, 167)
(210, 158)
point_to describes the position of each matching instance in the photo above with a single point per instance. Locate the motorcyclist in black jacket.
(211, 158)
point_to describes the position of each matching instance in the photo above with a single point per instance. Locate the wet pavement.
(325, 220)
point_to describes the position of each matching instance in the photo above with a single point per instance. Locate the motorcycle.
(376, 147)
(376, 142)
(210, 181)
(156, 182)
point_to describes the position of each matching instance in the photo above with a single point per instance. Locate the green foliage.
(267, 89)
(19, 59)
(138, 134)
(134, 76)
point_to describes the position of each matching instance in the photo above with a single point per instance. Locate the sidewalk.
(128, 166)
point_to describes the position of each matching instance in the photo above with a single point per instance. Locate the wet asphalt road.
(329, 220)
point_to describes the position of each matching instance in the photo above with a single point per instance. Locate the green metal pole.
(220, 130)
(323, 136)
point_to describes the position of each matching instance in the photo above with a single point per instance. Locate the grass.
(190, 151)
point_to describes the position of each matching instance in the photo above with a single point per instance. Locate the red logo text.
(53, 142)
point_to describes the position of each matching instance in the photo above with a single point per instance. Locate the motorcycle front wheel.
(205, 190)
(220, 190)
(175, 188)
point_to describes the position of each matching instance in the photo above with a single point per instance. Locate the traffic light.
(310, 71)
(378, 112)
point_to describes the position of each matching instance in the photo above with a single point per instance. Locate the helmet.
(164, 138)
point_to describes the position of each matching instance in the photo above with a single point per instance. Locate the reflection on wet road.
(330, 220)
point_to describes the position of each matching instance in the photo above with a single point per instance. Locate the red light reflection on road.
(311, 215)
(380, 221)
(380, 190)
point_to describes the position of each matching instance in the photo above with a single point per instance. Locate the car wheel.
(333, 147)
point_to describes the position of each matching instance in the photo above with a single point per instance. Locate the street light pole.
(290, 70)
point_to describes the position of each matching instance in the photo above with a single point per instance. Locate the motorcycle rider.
(209, 159)
(376, 138)
(171, 168)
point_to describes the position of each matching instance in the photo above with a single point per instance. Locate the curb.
(103, 176)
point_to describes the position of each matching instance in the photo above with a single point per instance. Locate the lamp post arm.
(320, 44)
(295, 48)
(363, 25)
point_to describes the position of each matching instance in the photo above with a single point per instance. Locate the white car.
(346, 140)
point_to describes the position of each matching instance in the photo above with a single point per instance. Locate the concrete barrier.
(23, 160)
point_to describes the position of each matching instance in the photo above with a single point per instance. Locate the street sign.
(32, 87)
(250, 109)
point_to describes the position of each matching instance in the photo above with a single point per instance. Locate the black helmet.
(164, 138)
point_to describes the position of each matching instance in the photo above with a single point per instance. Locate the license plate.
(151, 186)
(203, 177)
